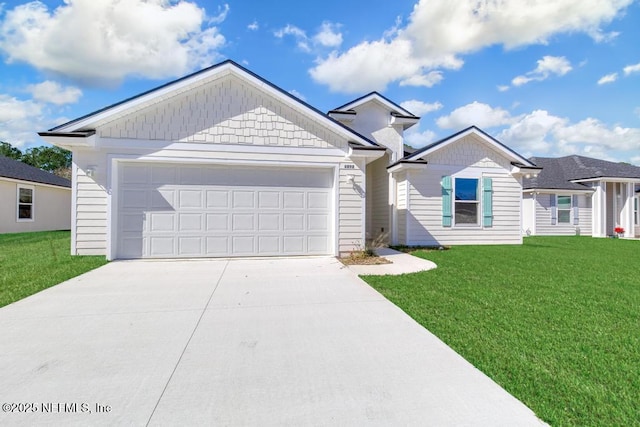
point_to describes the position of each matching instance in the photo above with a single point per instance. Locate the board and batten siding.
(425, 215)
(225, 111)
(544, 227)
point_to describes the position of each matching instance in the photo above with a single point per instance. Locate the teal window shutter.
(554, 209)
(487, 202)
(446, 201)
(576, 218)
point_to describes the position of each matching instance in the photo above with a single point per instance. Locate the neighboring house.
(32, 199)
(224, 163)
(581, 195)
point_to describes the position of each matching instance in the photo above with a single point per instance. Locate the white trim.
(33, 202)
(114, 160)
(374, 97)
(155, 145)
(74, 206)
(607, 179)
(570, 196)
(477, 202)
(556, 190)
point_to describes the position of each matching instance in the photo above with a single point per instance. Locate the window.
(564, 209)
(25, 203)
(466, 201)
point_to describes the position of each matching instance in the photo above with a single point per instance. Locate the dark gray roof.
(10, 168)
(557, 173)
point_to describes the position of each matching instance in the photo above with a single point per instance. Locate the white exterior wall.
(249, 128)
(543, 225)
(466, 158)
(402, 207)
(51, 207)
(372, 120)
(378, 198)
(528, 214)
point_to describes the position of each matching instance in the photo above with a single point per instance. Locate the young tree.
(47, 158)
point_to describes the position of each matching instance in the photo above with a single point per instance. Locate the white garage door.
(167, 211)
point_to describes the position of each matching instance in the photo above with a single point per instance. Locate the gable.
(226, 110)
(469, 150)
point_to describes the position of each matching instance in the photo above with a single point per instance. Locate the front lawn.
(31, 262)
(555, 321)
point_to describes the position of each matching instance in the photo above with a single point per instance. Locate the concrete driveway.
(242, 342)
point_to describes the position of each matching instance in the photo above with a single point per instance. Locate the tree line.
(51, 159)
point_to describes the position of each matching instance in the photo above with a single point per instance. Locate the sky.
(545, 77)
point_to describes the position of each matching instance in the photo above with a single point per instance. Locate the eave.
(402, 165)
(558, 190)
(70, 140)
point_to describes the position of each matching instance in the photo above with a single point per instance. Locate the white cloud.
(529, 133)
(440, 31)
(223, 11)
(420, 108)
(476, 113)
(629, 69)
(300, 35)
(430, 79)
(503, 88)
(418, 139)
(609, 78)
(547, 66)
(20, 120)
(54, 93)
(105, 41)
(254, 26)
(328, 35)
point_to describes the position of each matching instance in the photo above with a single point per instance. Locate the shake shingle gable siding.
(14, 169)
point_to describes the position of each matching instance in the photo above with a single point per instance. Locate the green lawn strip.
(31, 262)
(555, 321)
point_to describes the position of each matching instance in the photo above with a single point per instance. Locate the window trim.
(32, 188)
(636, 210)
(570, 209)
(477, 202)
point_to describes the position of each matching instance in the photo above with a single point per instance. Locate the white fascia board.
(367, 155)
(343, 117)
(374, 97)
(517, 170)
(607, 179)
(557, 190)
(406, 166)
(405, 122)
(70, 143)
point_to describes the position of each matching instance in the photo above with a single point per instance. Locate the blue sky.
(546, 77)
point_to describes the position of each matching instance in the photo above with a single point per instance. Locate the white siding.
(401, 197)
(378, 198)
(227, 111)
(425, 215)
(51, 207)
(467, 152)
(351, 201)
(543, 217)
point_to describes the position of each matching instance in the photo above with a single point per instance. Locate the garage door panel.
(162, 222)
(191, 211)
(134, 198)
(317, 222)
(269, 222)
(242, 245)
(189, 246)
(293, 200)
(190, 199)
(293, 222)
(243, 199)
(268, 245)
(218, 222)
(269, 200)
(217, 198)
(162, 246)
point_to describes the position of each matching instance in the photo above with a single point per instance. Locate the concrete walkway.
(242, 342)
(401, 263)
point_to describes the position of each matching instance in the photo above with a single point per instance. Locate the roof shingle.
(14, 169)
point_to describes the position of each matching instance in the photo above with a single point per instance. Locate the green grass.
(555, 321)
(31, 262)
